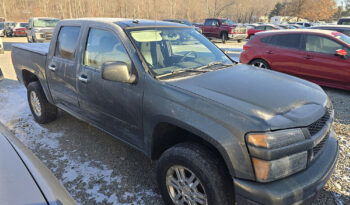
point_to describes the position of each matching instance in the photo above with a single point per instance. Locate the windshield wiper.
(212, 64)
(182, 71)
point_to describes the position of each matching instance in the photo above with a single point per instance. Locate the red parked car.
(20, 29)
(224, 29)
(319, 56)
(263, 27)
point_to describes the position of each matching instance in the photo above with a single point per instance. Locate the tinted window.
(103, 46)
(260, 28)
(346, 32)
(67, 42)
(208, 22)
(344, 22)
(321, 44)
(287, 40)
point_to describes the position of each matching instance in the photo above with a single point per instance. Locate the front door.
(62, 67)
(321, 65)
(115, 107)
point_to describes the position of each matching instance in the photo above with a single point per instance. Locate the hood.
(280, 100)
(17, 184)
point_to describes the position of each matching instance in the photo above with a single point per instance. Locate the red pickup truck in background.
(224, 29)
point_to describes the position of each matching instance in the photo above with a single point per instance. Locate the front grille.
(320, 145)
(319, 124)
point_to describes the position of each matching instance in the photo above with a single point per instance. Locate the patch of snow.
(78, 175)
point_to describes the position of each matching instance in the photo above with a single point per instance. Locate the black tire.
(48, 111)
(239, 41)
(224, 37)
(260, 63)
(210, 171)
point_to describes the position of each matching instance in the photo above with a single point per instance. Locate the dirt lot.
(98, 169)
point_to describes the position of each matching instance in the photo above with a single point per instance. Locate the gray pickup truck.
(221, 132)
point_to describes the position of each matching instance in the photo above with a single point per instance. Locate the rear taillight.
(246, 47)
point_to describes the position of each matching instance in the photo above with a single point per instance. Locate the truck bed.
(30, 57)
(40, 48)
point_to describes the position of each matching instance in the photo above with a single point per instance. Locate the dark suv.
(345, 29)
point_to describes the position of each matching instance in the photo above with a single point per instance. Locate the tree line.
(313, 10)
(193, 10)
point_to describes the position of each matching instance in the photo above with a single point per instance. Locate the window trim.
(76, 46)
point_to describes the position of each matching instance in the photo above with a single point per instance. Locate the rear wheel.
(190, 174)
(42, 110)
(259, 63)
(224, 37)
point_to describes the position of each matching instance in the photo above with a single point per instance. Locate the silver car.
(24, 179)
(40, 29)
(2, 25)
(1, 47)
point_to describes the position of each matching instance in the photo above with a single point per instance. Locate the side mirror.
(117, 71)
(341, 52)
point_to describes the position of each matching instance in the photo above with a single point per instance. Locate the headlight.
(276, 139)
(266, 171)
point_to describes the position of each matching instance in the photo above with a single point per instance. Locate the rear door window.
(67, 42)
(286, 40)
(208, 22)
(320, 44)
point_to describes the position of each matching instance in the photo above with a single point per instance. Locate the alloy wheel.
(184, 187)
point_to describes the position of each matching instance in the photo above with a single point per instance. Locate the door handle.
(52, 68)
(269, 52)
(83, 78)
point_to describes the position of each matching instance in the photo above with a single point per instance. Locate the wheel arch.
(167, 134)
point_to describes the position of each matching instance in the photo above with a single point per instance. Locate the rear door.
(114, 106)
(62, 67)
(283, 52)
(207, 27)
(321, 65)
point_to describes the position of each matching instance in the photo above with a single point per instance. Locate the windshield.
(342, 37)
(167, 50)
(23, 24)
(228, 22)
(45, 22)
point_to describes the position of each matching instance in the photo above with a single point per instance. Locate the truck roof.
(125, 22)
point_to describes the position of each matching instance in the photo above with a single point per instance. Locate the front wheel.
(42, 110)
(259, 63)
(190, 174)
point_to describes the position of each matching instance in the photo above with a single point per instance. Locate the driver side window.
(321, 44)
(103, 46)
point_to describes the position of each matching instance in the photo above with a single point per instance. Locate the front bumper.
(237, 36)
(296, 189)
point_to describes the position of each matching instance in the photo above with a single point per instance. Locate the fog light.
(266, 171)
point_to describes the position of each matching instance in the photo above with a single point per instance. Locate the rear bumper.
(300, 188)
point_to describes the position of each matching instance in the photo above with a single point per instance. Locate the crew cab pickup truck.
(224, 29)
(220, 132)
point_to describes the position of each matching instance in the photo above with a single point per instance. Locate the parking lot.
(98, 169)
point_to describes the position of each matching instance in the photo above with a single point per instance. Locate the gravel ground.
(98, 169)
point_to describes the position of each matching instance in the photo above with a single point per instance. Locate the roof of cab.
(126, 23)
